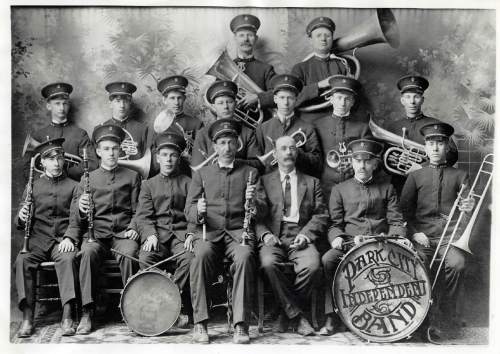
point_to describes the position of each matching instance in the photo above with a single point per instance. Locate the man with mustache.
(292, 216)
(286, 121)
(113, 199)
(216, 199)
(365, 204)
(427, 197)
(137, 135)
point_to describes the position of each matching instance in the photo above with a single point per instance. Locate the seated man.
(292, 217)
(363, 205)
(111, 202)
(50, 199)
(427, 197)
(160, 214)
(216, 199)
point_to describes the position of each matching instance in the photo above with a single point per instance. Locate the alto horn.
(224, 68)
(339, 160)
(302, 139)
(141, 166)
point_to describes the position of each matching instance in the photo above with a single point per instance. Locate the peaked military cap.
(108, 132)
(221, 88)
(413, 83)
(365, 148)
(176, 82)
(286, 82)
(49, 147)
(320, 22)
(437, 130)
(168, 139)
(245, 21)
(224, 127)
(120, 88)
(344, 83)
(57, 89)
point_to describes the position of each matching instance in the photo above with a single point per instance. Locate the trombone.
(300, 142)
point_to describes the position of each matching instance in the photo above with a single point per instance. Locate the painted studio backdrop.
(89, 47)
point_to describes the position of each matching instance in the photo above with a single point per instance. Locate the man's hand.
(66, 245)
(132, 234)
(24, 212)
(300, 242)
(202, 206)
(84, 203)
(250, 192)
(467, 204)
(337, 243)
(188, 244)
(404, 241)
(151, 243)
(358, 239)
(250, 99)
(270, 240)
(421, 239)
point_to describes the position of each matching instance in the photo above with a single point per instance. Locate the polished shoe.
(67, 327)
(304, 328)
(182, 321)
(329, 328)
(282, 323)
(26, 329)
(200, 333)
(240, 335)
(434, 335)
(85, 325)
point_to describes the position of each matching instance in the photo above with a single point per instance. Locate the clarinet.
(87, 190)
(249, 214)
(29, 201)
(202, 218)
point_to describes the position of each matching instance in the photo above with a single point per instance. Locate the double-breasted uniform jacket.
(140, 134)
(261, 73)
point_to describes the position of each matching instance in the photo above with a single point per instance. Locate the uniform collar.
(174, 174)
(287, 118)
(341, 117)
(438, 166)
(369, 181)
(107, 170)
(117, 121)
(417, 117)
(244, 60)
(62, 124)
(55, 179)
(321, 57)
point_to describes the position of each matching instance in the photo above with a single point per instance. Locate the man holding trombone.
(428, 195)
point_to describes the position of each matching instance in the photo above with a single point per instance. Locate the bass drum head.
(150, 303)
(382, 291)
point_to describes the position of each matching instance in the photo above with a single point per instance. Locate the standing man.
(222, 96)
(427, 197)
(316, 70)
(75, 138)
(337, 129)
(160, 214)
(112, 201)
(245, 29)
(286, 121)
(294, 216)
(365, 204)
(51, 197)
(216, 199)
(137, 136)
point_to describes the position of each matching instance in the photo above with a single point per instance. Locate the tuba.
(141, 166)
(379, 28)
(339, 160)
(404, 155)
(225, 69)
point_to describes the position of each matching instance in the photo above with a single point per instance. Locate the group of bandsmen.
(304, 211)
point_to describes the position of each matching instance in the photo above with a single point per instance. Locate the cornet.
(339, 160)
(213, 158)
(302, 139)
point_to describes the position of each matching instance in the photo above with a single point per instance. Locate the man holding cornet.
(216, 207)
(292, 217)
(427, 197)
(364, 205)
(44, 214)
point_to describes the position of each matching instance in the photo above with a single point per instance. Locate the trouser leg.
(330, 261)
(26, 264)
(93, 253)
(181, 275)
(66, 267)
(307, 269)
(128, 267)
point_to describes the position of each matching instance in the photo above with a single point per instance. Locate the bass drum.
(150, 303)
(382, 291)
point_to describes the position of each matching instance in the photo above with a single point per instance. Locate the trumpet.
(213, 158)
(302, 139)
(339, 160)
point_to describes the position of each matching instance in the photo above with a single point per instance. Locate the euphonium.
(301, 140)
(339, 160)
(213, 158)
(141, 166)
(403, 155)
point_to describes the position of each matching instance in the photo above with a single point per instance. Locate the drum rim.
(139, 273)
(354, 330)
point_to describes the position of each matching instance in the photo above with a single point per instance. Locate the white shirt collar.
(63, 122)
(231, 165)
(292, 174)
(286, 118)
(365, 182)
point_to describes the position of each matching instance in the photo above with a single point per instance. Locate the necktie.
(288, 196)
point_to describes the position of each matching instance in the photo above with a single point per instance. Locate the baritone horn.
(485, 170)
(339, 160)
(403, 155)
(142, 166)
(379, 28)
(299, 136)
(224, 68)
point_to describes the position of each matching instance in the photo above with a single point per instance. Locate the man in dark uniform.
(52, 195)
(287, 121)
(222, 95)
(365, 204)
(160, 214)
(427, 197)
(292, 217)
(317, 69)
(245, 29)
(222, 211)
(75, 138)
(337, 129)
(113, 199)
(137, 135)
(412, 89)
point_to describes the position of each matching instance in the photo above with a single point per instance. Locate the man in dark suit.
(292, 217)
(222, 211)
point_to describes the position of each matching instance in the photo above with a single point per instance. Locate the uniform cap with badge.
(120, 88)
(171, 140)
(224, 127)
(221, 88)
(172, 83)
(344, 83)
(108, 132)
(365, 149)
(413, 83)
(286, 82)
(50, 147)
(57, 90)
(437, 131)
(244, 21)
(318, 22)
